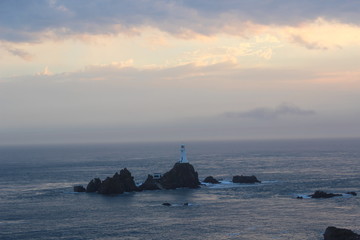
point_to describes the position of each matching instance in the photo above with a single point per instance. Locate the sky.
(90, 71)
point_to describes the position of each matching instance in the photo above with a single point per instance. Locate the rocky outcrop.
(93, 185)
(181, 175)
(79, 188)
(333, 233)
(352, 193)
(119, 183)
(169, 204)
(245, 179)
(322, 194)
(150, 184)
(211, 179)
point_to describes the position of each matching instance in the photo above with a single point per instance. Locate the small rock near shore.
(211, 179)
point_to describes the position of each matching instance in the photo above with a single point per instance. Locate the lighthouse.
(183, 158)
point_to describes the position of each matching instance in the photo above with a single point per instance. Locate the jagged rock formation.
(245, 179)
(211, 179)
(150, 184)
(79, 188)
(322, 194)
(333, 233)
(93, 185)
(119, 183)
(181, 175)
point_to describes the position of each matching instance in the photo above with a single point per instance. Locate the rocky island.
(182, 175)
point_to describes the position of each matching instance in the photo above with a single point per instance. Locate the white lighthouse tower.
(183, 158)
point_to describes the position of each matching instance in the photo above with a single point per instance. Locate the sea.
(37, 199)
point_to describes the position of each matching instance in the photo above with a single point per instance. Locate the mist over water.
(37, 201)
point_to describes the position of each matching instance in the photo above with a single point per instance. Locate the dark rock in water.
(186, 204)
(322, 194)
(93, 185)
(111, 186)
(166, 204)
(333, 233)
(245, 179)
(119, 183)
(181, 175)
(352, 193)
(299, 197)
(210, 179)
(150, 184)
(79, 188)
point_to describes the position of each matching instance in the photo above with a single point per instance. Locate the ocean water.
(37, 201)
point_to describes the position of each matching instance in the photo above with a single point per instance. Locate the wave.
(6, 222)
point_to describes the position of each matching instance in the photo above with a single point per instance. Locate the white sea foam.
(269, 182)
(301, 195)
(346, 195)
(230, 184)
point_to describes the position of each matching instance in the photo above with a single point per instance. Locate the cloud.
(45, 72)
(271, 113)
(32, 20)
(17, 52)
(309, 45)
(320, 34)
(216, 55)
